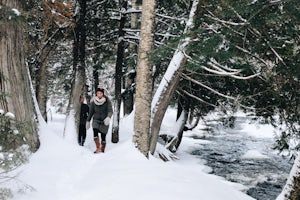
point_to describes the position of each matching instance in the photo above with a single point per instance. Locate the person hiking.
(101, 111)
(84, 111)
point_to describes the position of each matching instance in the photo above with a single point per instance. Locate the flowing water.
(264, 176)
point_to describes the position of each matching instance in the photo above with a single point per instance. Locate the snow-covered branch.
(227, 22)
(233, 75)
(220, 70)
(223, 67)
(132, 10)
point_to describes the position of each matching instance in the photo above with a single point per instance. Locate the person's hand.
(106, 121)
(87, 125)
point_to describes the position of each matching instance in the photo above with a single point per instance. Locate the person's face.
(99, 94)
(81, 100)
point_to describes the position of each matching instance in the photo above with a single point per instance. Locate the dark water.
(264, 178)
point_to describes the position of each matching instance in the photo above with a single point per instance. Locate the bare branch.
(205, 86)
(276, 54)
(169, 17)
(197, 98)
(251, 54)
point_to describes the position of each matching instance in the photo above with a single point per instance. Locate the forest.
(198, 56)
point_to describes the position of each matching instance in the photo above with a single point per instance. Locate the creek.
(225, 150)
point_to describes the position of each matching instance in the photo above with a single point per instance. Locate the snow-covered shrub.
(12, 143)
(5, 193)
(13, 151)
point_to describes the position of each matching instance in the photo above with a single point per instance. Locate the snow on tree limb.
(177, 58)
(219, 70)
(168, 83)
(227, 22)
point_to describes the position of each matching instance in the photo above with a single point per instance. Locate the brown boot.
(103, 145)
(96, 139)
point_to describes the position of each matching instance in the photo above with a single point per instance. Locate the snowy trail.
(63, 170)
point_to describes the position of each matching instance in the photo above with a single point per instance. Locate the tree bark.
(41, 83)
(16, 95)
(129, 79)
(118, 76)
(96, 79)
(183, 109)
(291, 190)
(162, 106)
(144, 79)
(79, 77)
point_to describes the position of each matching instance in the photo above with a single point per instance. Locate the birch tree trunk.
(144, 79)
(16, 96)
(170, 80)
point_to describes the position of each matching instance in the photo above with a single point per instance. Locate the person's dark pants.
(103, 135)
(82, 134)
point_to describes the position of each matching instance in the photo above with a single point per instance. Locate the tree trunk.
(144, 79)
(16, 95)
(169, 82)
(161, 107)
(183, 109)
(291, 190)
(128, 99)
(96, 79)
(41, 83)
(81, 54)
(79, 77)
(118, 76)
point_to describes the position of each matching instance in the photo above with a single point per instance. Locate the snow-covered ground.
(63, 170)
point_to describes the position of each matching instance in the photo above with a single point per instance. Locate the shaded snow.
(63, 170)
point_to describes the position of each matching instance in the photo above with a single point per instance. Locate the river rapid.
(232, 152)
